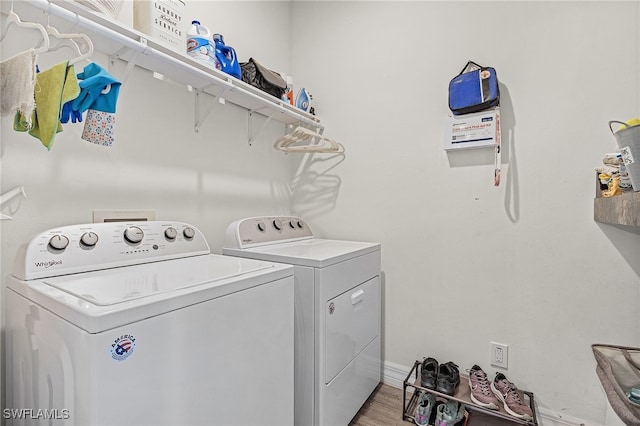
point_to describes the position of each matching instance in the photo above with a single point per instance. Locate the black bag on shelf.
(263, 78)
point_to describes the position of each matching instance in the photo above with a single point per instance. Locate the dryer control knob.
(300, 224)
(189, 233)
(170, 233)
(133, 234)
(59, 242)
(261, 227)
(277, 223)
(89, 239)
(292, 224)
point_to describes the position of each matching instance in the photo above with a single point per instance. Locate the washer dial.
(58, 242)
(170, 233)
(89, 239)
(189, 233)
(133, 234)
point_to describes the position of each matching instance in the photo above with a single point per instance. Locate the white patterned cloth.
(98, 127)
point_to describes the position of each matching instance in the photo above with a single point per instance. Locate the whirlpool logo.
(48, 264)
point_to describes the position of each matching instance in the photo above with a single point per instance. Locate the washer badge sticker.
(332, 308)
(122, 347)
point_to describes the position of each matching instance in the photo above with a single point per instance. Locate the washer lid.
(119, 285)
(101, 300)
(314, 252)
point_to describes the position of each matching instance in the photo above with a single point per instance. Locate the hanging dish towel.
(17, 85)
(98, 96)
(56, 86)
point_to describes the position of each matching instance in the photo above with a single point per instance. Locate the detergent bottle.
(200, 45)
(226, 57)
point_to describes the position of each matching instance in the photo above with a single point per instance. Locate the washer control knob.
(59, 242)
(261, 227)
(300, 224)
(292, 224)
(277, 223)
(189, 233)
(89, 239)
(133, 234)
(170, 233)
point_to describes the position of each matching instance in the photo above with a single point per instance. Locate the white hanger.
(305, 140)
(51, 31)
(13, 18)
(8, 196)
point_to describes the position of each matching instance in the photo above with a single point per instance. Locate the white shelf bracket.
(131, 62)
(201, 113)
(313, 127)
(252, 136)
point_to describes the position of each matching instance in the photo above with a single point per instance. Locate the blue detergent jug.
(227, 58)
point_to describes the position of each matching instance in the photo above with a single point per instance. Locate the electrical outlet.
(499, 355)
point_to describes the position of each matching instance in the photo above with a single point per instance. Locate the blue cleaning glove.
(98, 90)
(69, 113)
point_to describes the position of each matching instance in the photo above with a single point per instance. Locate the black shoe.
(448, 378)
(429, 373)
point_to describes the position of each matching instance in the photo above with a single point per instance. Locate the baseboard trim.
(395, 374)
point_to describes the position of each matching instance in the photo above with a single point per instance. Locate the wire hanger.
(305, 140)
(53, 32)
(13, 18)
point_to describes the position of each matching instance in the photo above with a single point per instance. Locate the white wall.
(158, 162)
(466, 263)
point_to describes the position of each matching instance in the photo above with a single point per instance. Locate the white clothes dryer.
(337, 313)
(137, 323)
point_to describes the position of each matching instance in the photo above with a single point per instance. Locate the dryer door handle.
(357, 296)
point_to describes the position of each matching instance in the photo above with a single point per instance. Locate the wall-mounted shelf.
(617, 210)
(124, 43)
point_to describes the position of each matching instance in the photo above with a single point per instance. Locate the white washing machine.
(137, 323)
(337, 313)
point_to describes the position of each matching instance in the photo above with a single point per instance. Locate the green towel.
(54, 87)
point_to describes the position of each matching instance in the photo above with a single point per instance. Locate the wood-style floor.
(383, 408)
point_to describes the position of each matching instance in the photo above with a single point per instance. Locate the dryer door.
(352, 322)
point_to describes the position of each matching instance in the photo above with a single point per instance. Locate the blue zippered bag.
(474, 89)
